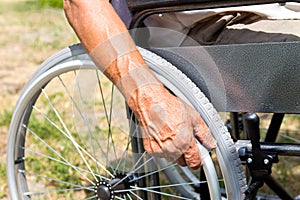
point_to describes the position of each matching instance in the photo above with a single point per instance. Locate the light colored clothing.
(244, 24)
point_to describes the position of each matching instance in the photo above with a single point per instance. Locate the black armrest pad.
(145, 4)
(136, 5)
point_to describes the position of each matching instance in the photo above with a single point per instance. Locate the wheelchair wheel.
(73, 137)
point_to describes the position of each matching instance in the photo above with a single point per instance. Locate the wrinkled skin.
(168, 124)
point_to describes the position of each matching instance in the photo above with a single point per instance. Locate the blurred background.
(30, 32)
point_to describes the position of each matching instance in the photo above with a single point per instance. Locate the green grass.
(51, 3)
(5, 117)
(3, 178)
(37, 28)
(52, 136)
(30, 5)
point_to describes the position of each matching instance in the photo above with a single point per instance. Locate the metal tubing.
(234, 120)
(277, 188)
(283, 149)
(274, 127)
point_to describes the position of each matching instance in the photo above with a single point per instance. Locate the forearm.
(167, 123)
(109, 44)
(94, 21)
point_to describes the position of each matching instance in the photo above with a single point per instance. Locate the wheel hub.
(106, 190)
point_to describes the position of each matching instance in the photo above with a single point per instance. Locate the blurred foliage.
(30, 5)
(2, 180)
(5, 117)
(51, 3)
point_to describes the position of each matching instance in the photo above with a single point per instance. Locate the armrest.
(138, 5)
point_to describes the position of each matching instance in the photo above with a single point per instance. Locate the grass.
(31, 31)
(38, 27)
(3, 177)
(5, 117)
(31, 5)
(50, 3)
(42, 132)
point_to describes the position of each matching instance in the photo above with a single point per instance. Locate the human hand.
(169, 126)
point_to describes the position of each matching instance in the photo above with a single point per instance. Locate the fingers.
(172, 136)
(203, 134)
(192, 156)
(181, 161)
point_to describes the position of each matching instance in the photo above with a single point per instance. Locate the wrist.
(143, 98)
(139, 83)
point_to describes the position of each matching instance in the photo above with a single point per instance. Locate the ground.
(28, 35)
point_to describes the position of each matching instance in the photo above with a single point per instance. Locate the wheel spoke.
(110, 136)
(90, 132)
(83, 117)
(159, 170)
(129, 196)
(64, 163)
(124, 157)
(134, 188)
(75, 104)
(69, 134)
(57, 153)
(134, 169)
(55, 180)
(107, 116)
(53, 191)
(74, 142)
(92, 197)
(131, 192)
(289, 137)
(161, 193)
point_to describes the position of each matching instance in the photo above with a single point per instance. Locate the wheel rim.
(92, 188)
(56, 157)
